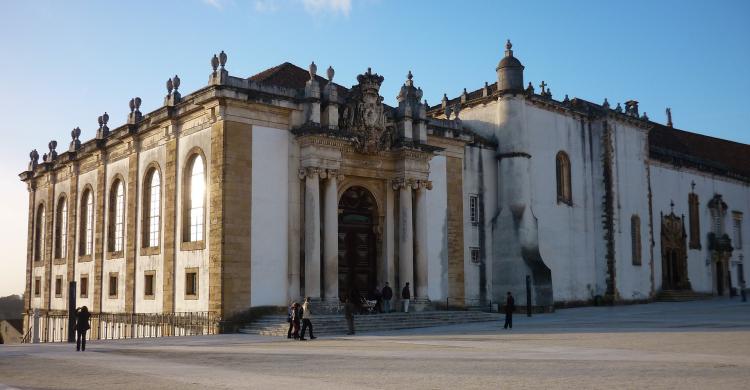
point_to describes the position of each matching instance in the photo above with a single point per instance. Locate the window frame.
(737, 229)
(61, 228)
(58, 286)
(187, 242)
(694, 220)
(192, 295)
(474, 215)
(563, 178)
(148, 221)
(116, 218)
(83, 292)
(86, 224)
(37, 286)
(39, 232)
(636, 246)
(152, 275)
(116, 277)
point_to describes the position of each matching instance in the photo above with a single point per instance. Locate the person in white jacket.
(306, 316)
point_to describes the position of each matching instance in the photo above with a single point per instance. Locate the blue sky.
(65, 63)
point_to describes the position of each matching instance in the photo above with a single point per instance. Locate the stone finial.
(618, 108)
(530, 89)
(606, 103)
(486, 89)
(75, 143)
(138, 102)
(105, 118)
(176, 82)
(409, 76)
(464, 96)
(103, 130)
(669, 117)
(425, 104)
(644, 116)
(313, 70)
(444, 101)
(135, 111)
(330, 72)
(170, 86)
(52, 155)
(215, 62)
(566, 100)
(132, 105)
(222, 59)
(34, 159)
(508, 48)
(549, 93)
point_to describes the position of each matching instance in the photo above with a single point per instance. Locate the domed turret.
(509, 71)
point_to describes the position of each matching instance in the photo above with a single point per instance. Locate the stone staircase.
(330, 324)
(681, 296)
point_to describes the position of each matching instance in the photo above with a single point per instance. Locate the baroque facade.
(257, 191)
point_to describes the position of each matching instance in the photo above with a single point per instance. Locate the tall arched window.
(86, 234)
(151, 224)
(116, 216)
(635, 238)
(194, 200)
(39, 234)
(562, 163)
(61, 228)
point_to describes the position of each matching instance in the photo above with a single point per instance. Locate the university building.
(257, 191)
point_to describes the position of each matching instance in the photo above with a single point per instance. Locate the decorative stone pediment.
(364, 115)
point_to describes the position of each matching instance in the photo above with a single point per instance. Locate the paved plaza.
(691, 345)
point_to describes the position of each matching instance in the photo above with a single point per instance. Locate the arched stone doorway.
(358, 219)
(673, 254)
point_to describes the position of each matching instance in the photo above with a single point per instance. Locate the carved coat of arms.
(364, 115)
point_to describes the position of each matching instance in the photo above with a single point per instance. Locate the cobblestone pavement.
(695, 345)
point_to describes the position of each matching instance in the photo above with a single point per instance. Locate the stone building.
(257, 191)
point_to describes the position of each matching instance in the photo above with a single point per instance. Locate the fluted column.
(312, 231)
(330, 237)
(406, 236)
(421, 240)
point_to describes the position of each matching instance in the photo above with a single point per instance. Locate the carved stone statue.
(364, 115)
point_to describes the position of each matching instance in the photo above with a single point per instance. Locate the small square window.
(148, 284)
(191, 283)
(84, 286)
(58, 286)
(38, 286)
(475, 258)
(474, 209)
(113, 285)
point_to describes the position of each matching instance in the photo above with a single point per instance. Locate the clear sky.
(65, 63)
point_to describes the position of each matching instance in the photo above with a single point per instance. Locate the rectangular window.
(191, 283)
(58, 286)
(84, 288)
(695, 232)
(474, 209)
(475, 258)
(38, 286)
(148, 284)
(635, 232)
(737, 217)
(113, 284)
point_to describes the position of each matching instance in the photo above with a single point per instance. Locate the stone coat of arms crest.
(364, 115)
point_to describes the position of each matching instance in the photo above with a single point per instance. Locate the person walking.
(510, 305)
(296, 314)
(405, 296)
(349, 309)
(306, 317)
(289, 320)
(82, 326)
(387, 295)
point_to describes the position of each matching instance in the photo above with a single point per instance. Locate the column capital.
(424, 185)
(401, 182)
(312, 172)
(332, 174)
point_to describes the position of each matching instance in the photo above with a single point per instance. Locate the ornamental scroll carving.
(364, 115)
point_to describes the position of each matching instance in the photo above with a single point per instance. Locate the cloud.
(215, 3)
(317, 7)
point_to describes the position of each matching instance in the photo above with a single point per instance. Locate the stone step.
(681, 296)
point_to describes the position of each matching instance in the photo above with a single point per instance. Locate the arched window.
(61, 228)
(116, 216)
(693, 213)
(194, 198)
(39, 234)
(86, 240)
(564, 194)
(635, 238)
(151, 224)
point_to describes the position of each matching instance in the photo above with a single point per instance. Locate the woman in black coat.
(83, 317)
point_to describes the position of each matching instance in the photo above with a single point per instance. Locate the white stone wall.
(673, 184)
(437, 231)
(150, 262)
(192, 258)
(269, 216)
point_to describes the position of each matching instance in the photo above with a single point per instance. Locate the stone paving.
(691, 345)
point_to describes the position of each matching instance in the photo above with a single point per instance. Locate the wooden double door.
(356, 239)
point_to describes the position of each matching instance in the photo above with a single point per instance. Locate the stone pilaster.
(420, 247)
(231, 210)
(72, 218)
(170, 225)
(454, 171)
(312, 231)
(100, 202)
(49, 223)
(131, 214)
(330, 237)
(30, 247)
(406, 235)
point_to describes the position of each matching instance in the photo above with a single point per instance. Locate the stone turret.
(509, 71)
(412, 114)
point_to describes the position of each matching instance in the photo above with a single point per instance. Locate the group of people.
(383, 297)
(300, 314)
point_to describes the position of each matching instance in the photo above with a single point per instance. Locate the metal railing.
(112, 326)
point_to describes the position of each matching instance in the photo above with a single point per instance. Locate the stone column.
(330, 237)
(312, 232)
(405, 237)
(421, 240)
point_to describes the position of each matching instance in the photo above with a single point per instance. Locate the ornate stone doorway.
(673, 254)
(358, 219)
